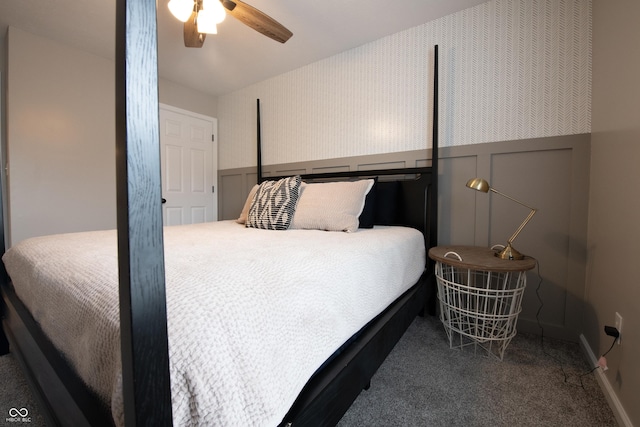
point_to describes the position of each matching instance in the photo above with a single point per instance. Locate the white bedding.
(252, 313)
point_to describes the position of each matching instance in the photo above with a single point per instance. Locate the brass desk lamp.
(509, 252)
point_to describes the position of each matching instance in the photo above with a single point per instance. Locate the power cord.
(598, 365)
(544, 351)
(613, 333)
(612, 344)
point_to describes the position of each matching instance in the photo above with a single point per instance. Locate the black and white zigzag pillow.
(274, 204)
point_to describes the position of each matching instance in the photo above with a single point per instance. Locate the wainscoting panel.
(540, 179)
(233, 191)
(459, 226)
(230, 202)
(550, 174)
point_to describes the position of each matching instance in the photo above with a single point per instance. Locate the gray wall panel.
(549, 174)
(546, 236)
(457, 200)
(232, 194)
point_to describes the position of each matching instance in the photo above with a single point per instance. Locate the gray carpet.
(15, 397)
(424, 383)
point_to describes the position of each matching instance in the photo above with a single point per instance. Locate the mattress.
(251, 314)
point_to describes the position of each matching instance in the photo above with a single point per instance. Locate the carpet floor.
(16, 400)
(425, 383)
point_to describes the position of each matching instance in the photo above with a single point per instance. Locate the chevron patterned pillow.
(274, 204)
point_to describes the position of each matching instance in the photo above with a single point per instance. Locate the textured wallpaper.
(509, 69)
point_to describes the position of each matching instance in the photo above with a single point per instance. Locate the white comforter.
(252, 313)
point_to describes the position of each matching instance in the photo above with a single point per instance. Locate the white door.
(189, 161)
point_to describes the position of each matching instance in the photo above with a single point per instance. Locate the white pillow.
(247, 204)
(331, 206)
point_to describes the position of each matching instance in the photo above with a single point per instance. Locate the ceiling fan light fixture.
(207, 14)
(181, 9)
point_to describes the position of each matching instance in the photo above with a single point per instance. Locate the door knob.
(164, 200)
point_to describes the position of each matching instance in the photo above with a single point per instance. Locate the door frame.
(214, 127)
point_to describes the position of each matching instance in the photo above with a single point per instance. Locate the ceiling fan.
(200, 18)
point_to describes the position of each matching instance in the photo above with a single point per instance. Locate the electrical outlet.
(618, 326)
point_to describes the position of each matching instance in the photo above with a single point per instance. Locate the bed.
(252, 313)
(77, 308)
(67, 286)
(330, 382)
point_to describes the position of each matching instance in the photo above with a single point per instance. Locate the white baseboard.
(616, 406)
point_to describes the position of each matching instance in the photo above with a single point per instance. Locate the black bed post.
(259, 141)
(143, 316)
(433, 214)
(433, 198)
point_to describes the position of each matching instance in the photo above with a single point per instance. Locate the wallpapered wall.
(509, 69)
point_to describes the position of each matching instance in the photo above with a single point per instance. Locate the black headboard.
(413, 197)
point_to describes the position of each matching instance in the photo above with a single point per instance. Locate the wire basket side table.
(480, 296)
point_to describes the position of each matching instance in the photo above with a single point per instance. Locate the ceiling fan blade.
(257, 20)
(192, 38)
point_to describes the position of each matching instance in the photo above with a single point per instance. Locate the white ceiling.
(237, 56)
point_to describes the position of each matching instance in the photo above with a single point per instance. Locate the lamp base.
(509, 252)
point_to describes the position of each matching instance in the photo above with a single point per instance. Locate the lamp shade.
(181, 9)
(215, 8)
(211, 14)
(206, 23)
(479, 184)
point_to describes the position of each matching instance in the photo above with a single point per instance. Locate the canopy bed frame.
(64, 398)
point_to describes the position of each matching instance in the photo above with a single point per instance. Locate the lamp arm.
(526, 220)
(511, 198)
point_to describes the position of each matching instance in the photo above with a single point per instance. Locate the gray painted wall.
(613, 284)
(547, 173)
(60, 136)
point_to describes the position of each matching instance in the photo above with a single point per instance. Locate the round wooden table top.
(478, 258)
